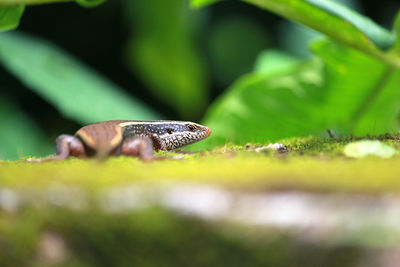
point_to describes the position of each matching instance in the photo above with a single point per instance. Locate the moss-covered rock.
(306, 205)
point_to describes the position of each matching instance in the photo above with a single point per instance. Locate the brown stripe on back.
(102, 137)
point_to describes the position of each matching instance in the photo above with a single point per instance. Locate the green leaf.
(19, 137)
(10, 16)
(378, 35)
(362, 95)
(202, 3)
(337, 22)
(74, 89)
(342, 89)
(333, 19)
(163, 52)
(90, 3)
(269, 106)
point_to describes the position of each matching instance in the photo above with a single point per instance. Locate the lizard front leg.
(140, 146)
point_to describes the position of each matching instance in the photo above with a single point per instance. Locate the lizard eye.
(191, 127)
(170, 131)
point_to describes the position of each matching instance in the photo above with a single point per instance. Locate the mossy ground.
(45, 229)
(310, 163)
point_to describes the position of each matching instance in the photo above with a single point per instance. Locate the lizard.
(128, 137)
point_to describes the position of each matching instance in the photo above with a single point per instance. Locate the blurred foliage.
(396, 30)
(378, 35)
(10, 16)
(202, 3)
(297, 39)
(163, 51)
(297, 36)
(85, 3)
(227, 38)
(19, 136)
(11, 10)
(336, 21)
(76, 90)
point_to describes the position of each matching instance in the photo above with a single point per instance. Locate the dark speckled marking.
(158, 129)
(172, 134)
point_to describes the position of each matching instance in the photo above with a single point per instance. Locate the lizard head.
(179, 134)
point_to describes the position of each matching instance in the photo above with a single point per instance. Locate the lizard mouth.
(208, 131)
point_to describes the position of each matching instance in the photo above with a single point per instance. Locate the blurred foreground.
(308, 205)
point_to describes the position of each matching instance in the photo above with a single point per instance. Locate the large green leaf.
(163, 52)
(333, 19)
(361, 94)
(73, 88)
(336, 21)
(19, 137)
(342, 89)
(378, 35)
(10, 16)
(272, 103)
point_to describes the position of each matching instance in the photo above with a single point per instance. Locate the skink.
(129, 137)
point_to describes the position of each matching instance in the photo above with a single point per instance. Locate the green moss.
(307, 164)
(334, 146)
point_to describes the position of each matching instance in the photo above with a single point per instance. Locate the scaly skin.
(133, 138)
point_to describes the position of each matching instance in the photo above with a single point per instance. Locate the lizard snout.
(208, 131)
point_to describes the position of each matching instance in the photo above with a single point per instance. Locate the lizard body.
(129, 137)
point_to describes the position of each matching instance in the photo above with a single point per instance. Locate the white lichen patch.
(364, 148)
